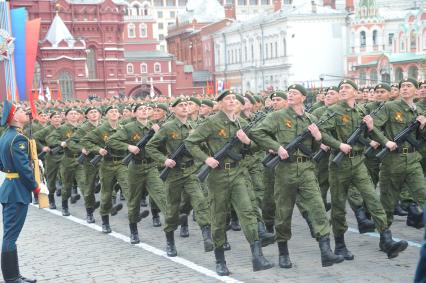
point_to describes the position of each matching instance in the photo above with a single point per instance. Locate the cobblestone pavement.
(53, 248)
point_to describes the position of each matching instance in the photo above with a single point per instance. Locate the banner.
(19, 19)
(32, 29)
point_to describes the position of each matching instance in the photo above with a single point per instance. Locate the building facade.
(386, 45)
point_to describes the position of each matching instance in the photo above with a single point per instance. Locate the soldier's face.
(229, 103)
(127, 113)
(21, 116)
(381, 94)
(158, 114)
(192, 107)
(42, 118)
(72, 116)
(332, 97)
(279, 103)
(93, 115)
(205, 110)
(422, 91)
(142, 113)
(113, 115)
(394, 92)
(248, 106)
(56, 120)
(295, 97)
(181, 110)
(407, 90)
(347, 92)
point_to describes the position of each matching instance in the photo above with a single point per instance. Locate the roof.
(405, 57)
(58, 32)
(201, 76)
(369, 64)
(141, 55)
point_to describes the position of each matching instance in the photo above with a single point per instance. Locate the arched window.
(413, 72)
(37, 75)
(362, 39)
(137, 10)
(375, 42)
(157, 68)
(130, 68)
(67, 85)
(91, 63)
(284, 47)
(398, 74)
(143, 30)
(131, 32)
(373, 76)
(145, 10)
(413, 40)
(144, 68)
(252, 52)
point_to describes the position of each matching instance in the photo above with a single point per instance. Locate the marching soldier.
(142, 172)
(181, 178)
(226, 183)
(295, 178)
(353, 172)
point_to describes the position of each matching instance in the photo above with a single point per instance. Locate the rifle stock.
(178, 154)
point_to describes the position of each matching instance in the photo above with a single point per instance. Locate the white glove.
(43, 189)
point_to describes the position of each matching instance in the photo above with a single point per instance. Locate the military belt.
(9, 175)
(351, 154)
(70, 155)
(184, 165)
(299, 159)
(228, 165)
(405, 150)
(143, 161)
(113, 158)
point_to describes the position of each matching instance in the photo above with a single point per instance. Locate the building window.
(160, 14)
(170, 23)
(245, 53)
(172, 14)
(67, 85)
(413, 40)
(413, 72)
(266, 51)
(161, 36)
(229, 2)
(362, 39)
(91, 63)
(158, 3)
(398, 74)
(373, 76)
(136, 10)
(145, 10)
(362, 78)
(130, 68)
(182, 2)
(375, 37)
(131, 30)
(253, 2)
(266, 2)
(260, 51)
(242, 2)
(390, 38)
(143, 30)
(171, 3)
(402, 45)
(288, 2)
(144, 68)
(271, 49)
(160, 25)
(252, 52)
(276, 49)
(284, 47)
(157, 68)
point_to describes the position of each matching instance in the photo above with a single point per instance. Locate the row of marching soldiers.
(238, 185)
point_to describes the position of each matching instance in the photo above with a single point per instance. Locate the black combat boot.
(10, 267)
(134, 235)
(389, 246)
(116, 208)
(58, 192)
(415, 217)
(258, 261)
(97, 205)
(269, 227)
(52, 204)
(226, 245)
(122, 198)
(24, 279)
(221, 268)
(65, 211)
(284, 257)
(399, 210)
(327, 256)
(340, 248)
(184, 232)
(142, 215)
(364, 224)
(89, 216)
(171, 248)
(265, 237)
(114, 200)
(207, 238)
(235, 223)
(35, 200)
(308, 221)
(327, 206)
(143, 202)
(105, 224)
(155, 217)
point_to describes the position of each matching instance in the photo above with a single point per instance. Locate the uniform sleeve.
(380, 120)
(119, 140)
(55, 138)
(39, 137)
(74, 142)
(154, 145)
(263, 133)
(91, 141)
(327, 129)
(20, 156)
(194, 142)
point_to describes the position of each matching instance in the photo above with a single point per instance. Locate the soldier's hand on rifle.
(272, 151)
(315, 132)
(368, 120)
(422, 121)
(243, 137)
(133, 149)
(391, 145)
(211, 162)
(46, 149)
(324, 147)
(84, 151)
(64, 144)
(374, 144)
(170, 163)
(103, 152)
(345, 148)
(155, 127)
(282, 153)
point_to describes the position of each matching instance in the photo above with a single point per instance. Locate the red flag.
(59, 97)
(32, 104)
(32, 34)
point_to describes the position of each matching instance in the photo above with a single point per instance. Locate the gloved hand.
(43, 189)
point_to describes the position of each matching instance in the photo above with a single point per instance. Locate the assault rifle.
(95, 160)
(81, 158)
(401, 137)
(296, 143)
(176, 156)
(357, 136)
(143, 141)
(226, 150)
